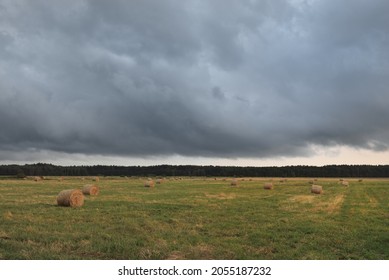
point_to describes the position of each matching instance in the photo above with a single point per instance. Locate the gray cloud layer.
(210, 78)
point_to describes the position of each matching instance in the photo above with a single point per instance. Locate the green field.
(195, 218)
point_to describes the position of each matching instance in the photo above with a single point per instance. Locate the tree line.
(44, 169)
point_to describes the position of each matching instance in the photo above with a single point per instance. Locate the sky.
(239, 82)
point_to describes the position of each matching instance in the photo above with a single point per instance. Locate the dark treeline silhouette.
(43, 169)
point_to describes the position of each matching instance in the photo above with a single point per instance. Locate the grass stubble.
(195, 218)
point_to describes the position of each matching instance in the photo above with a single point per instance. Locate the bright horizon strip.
(323, 156)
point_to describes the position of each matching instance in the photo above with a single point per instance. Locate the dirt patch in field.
(221, 196)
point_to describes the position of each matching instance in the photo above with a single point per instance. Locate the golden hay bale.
(159, 181)
(268, 186)
(72, 198)
(149, 184)
(36, 178)
(345, 183)
(96, 179)
(90, 190)
(316, 189)
(234, 182)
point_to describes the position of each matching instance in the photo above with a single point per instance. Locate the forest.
(46, 169)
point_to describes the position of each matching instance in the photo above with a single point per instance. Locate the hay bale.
(268, 186)
(36, 178)
(72, 198)
(234, 182)
(360, 180)
(96, 179)
(316, 189)
(90, 190)
(149, 184)
(159, 181)
(345, 183)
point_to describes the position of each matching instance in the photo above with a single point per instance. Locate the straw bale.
(90, 189)
(234, 182)
(72, 198)
(268, 186)
(149, 184)
(316, 189)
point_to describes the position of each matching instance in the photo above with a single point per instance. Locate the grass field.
(195, 218)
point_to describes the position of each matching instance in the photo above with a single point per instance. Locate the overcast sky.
(239, 82)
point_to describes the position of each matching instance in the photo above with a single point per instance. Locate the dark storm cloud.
(203, 78)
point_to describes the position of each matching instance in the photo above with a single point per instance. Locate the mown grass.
(195, 218)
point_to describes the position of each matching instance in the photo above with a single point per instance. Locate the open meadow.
(195, 218)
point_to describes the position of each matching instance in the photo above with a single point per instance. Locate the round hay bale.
(96, 179)
(72, 198)
(149, 184)
(268, 186)
(345, 183)
(234, 182)
(159, 181)
(316, 189)
(90, 190)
